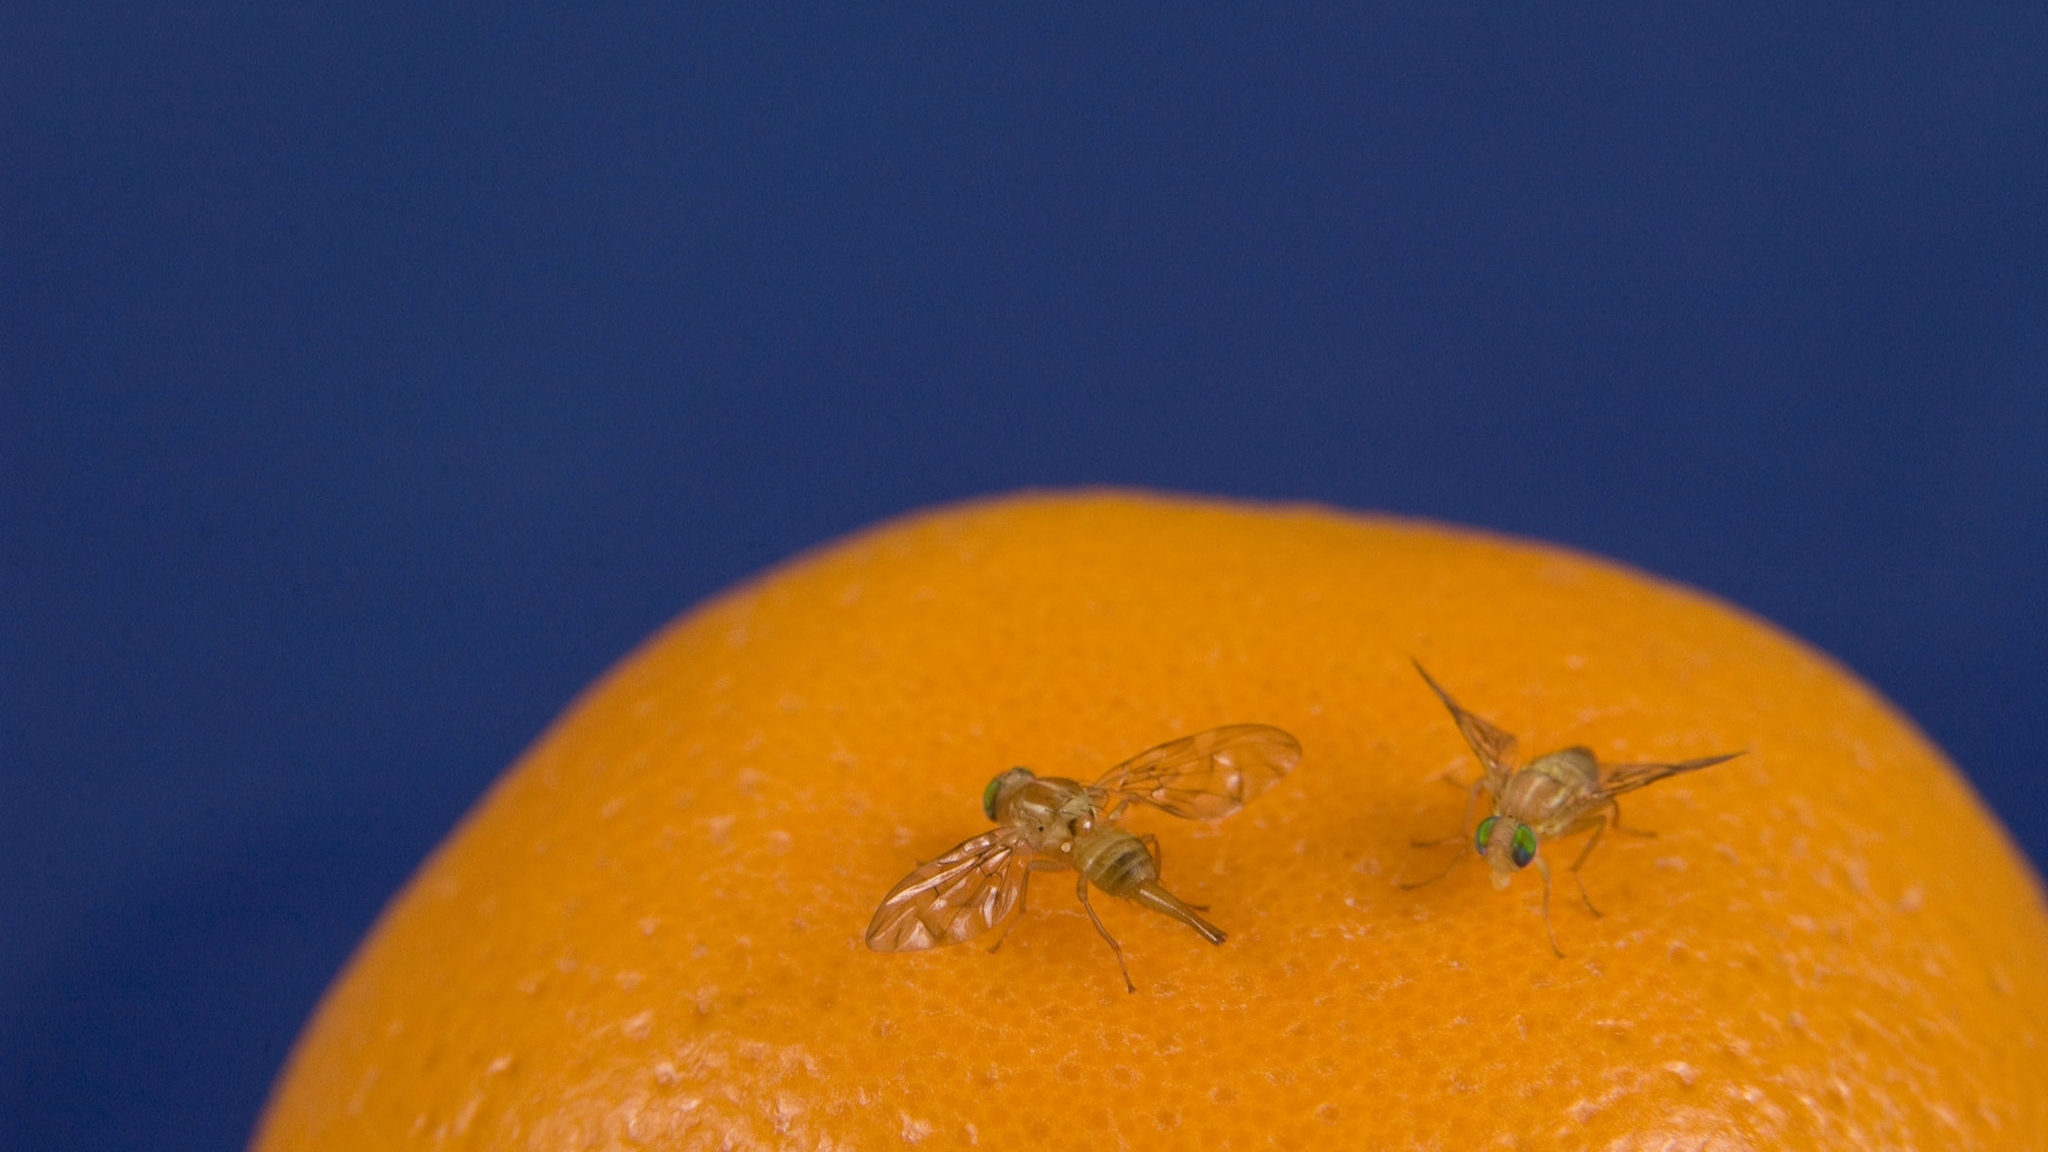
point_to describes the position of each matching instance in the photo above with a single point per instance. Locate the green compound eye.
(1485, 833)
(1523, 849)
(988, 796)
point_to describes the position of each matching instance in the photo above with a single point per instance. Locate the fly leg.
(1471, 798)
(1023, 890)
(1081, 890)
(1598, 829)
(1616, 821)
(1543, 867)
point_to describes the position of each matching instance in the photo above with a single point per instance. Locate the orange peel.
(648, 934)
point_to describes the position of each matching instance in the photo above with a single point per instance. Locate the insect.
(1050, 823)
(1559, 793)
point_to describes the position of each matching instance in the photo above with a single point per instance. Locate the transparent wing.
(1205, 776)
(958, 896)
(1616, 779)
(1495, 748)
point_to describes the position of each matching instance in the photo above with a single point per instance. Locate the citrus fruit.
(650, 933)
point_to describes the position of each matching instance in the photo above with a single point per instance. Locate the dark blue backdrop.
(375, 376)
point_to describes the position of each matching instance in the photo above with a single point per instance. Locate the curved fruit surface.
(649, 934)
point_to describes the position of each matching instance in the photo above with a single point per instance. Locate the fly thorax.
(1530, 794)
(1078, 812)
(1573, 769)
(1042, 810)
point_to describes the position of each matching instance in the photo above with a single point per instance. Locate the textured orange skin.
(649, 933)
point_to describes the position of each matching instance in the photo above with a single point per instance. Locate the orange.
(649, 934)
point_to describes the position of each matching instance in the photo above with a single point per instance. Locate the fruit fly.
(1559, 793)
(1050, 823)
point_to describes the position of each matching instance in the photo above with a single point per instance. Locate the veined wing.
(1495, 748)
(1205, 776)
(1616, 779)
(958, 896)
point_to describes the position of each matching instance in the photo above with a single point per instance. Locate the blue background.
(372, 377)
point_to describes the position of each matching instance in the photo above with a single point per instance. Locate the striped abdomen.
(1114, 861)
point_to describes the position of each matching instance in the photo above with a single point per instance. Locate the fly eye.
(988, 796)
(1523, 849)
(1485, 833)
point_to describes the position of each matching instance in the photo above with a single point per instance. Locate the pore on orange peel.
(649, 933)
